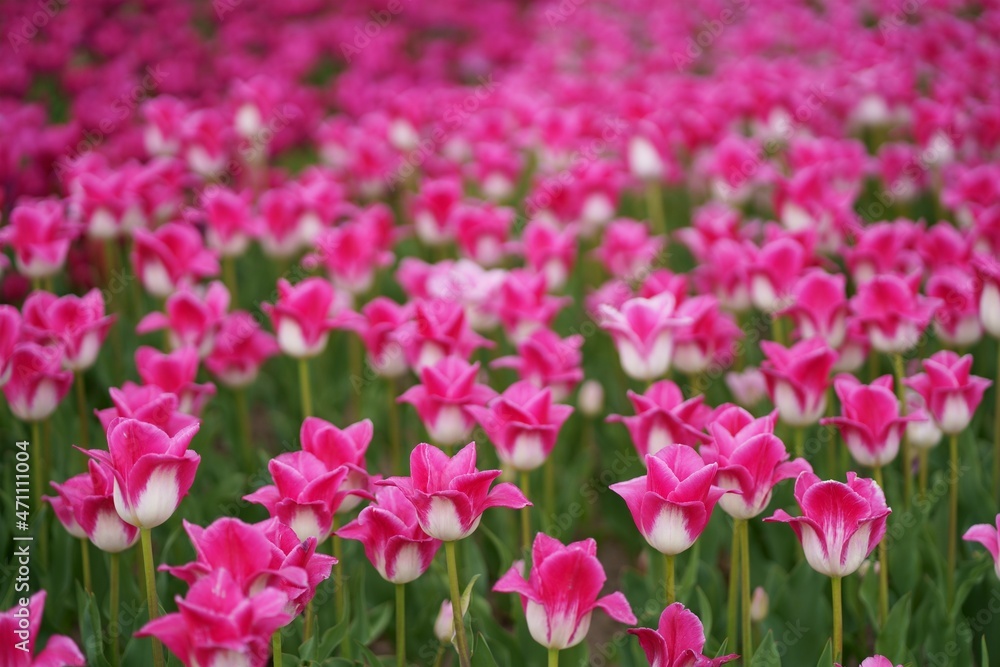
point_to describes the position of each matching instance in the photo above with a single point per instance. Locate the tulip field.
(500, 333)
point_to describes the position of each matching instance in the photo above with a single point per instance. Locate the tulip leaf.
(826, 660)
(704, 610)
(467, 594)
(984, 661)
(90, 627)
(968, 577)
(722, 649)
(767, 653)
(891, 640)
(482, 656)
(370, 658)
(378, 621)
(332, 638)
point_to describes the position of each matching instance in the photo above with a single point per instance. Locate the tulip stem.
(838, 620)
(340, 595)
(550, 490)
(800, 442)
(734, 586)
(464, 658)
(669, 578)
(276, 647)
(952, 518)
(85, 564)
(37, 465)
(304, 389)
(113, 629)
(229, 277)
(152, 605)
(307, 630)
(440, 655)
(243, 419)
(394, 437)
(897, 361)
(883, 564)
(81, 410)
(996, 432)
(526, 513)
(654, 206)
(553, 657)
(401, 625)
(745, 586)
(922, 457)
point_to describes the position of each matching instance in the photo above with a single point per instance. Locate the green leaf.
(767, 653)
(722, 649)
(704, 610)
(891, 640)
(467, 593)
(826, 660)
(370, 658)
(378, 621)
(332, 638)
(985, 660)
(482, 656)
(90, 627)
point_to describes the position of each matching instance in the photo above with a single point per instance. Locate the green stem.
(922, 457)
(464, 658)
(307, 629)
(304, 390)
(152, 605)
(85, 564)
(229, 277)
(883, 564)
(276, 647)
(113, 630)
(37, 465)
(654, 206)
(340, 594)
(394, 437)
(952, 518)
(81, 410)
(243, 421)
(553, 657)
(400, 625)
(996, 432)
(800, 441)
(669, 578)
(550, 489)
(838, 620)
(897, 362)
(440, 656)
(745, 589)
(734, 587)
(526, 514)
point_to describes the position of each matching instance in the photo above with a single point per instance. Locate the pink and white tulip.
(797, 379)
(644, 331)
(950, 392)
(677, 641)
(443, 399)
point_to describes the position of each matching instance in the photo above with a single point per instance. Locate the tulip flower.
(748, 387)
(20, 626)
(431, 210)
(562, 591)
(892, 312)
(797, 379)
(840, 526)
(662, 417)
(819, 307)
(871, 424)
(85, 506)
(523, 423)
(482, 231)
(175, 373)
(989, 537)
(10, 334)
(590, 400)
(449, 388)
(523, 305)
(450, 496)
(229, 223)
(438, 329)
(240, 349)
(171, 256)
(628, 250)
(192, 318)
(303, 316)
(956, 320)
(775, 270)
(547, 360)
(340, 448)
(708, 340)
(377, 326)
(876, 661)
(37, 382)
(550, 251)
(148, 404)
(351, 253)
(40, 236)
(77, 323)
(678, 640)
(219, 623)
(644, 333)
(672, 503)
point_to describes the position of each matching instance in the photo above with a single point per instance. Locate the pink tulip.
(841, 524)
(871, 424)
(218, 623)
(662, 417)
(884, 248)
(10, 334)
(628, 250)
(956, 321)
(797, 379)
(751, 459)
(776, 269)
(523, 423)
(449, 388)
(439, 328)
(876, 661)
(818, 305)
(175, 373)
(664, 280)
(304, 314)
(20, 626)
(678, 641)
(152, 471)
(77, 323)
(229, 222)
(37, 382)
(546, 360)
(283, 231)
(40, 236)
(394, 542)
(989, 537)
(258, 556)
(85, 506)
(449, 494)
(351, 251)
(148, 404)
(672, 503)
(377, 326)
(192, 318)
(644, 332)
(482, 232)
(171, 256)
(561, 591)
(340, 448)
(240, 349)
(893, 313)
(950, 392)
(748, 387)
(432, 208)
(523, 305)
(550, 251)
(988, 272)
(709, 339)
(854, 351)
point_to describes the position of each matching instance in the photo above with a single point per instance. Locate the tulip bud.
(591, 398)
(759, 605)
(444, 625)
